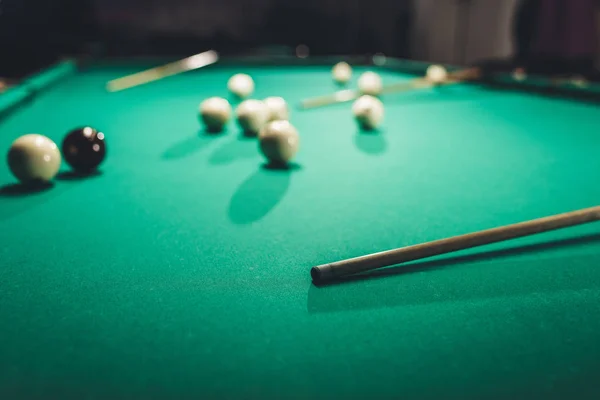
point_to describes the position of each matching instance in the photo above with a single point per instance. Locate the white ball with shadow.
(370, 83)
(34, 158)
(436, 74)
(342, 73)
(241, 85)
(252, 115)
(278, 108)
(215, 112)
(279, 142)
(368, 112)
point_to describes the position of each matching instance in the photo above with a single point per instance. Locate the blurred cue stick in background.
(347, 95)
(4, 85)
(187, 64)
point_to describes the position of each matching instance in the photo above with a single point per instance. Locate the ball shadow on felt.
(371, 141)
(71, 176)
(241, 147)
(190, 144)
(18, 198)
(25, 189)
(260, 193)
(283, 167)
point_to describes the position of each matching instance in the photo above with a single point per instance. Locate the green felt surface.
(182, 271)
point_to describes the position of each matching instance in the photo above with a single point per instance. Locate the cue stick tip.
(321, 273)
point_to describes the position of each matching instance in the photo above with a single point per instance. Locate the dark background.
(33, 33)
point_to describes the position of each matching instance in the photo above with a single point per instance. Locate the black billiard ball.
(84, 149)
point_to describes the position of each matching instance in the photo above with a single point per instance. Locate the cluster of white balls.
(368, 110)
(369, 83)
(266, 119)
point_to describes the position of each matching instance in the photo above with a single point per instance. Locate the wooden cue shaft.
(437, 247)
(153, 74)
(343, 96)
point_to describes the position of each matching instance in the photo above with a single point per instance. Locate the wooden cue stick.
(347, 95)
(344, 96)
(437, 247)
(153, 74)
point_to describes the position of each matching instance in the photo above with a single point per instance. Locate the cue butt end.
(321, 273)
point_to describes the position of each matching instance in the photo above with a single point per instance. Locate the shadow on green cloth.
(242, 147)
(260, 193)
(17, 198)
(22, 190)
(191, 145)
(371, 142)
(75, 176)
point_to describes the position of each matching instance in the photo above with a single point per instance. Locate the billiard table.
(181, 269)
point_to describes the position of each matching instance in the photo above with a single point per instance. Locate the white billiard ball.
(241, 85)
(252, 115)
(579, 81)
(279, 141)
(519, 74)
(278, 108)
(368, 112)
(33, 158)
(370, 83)
(215, 112)
(436, 74)
(342, 73)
